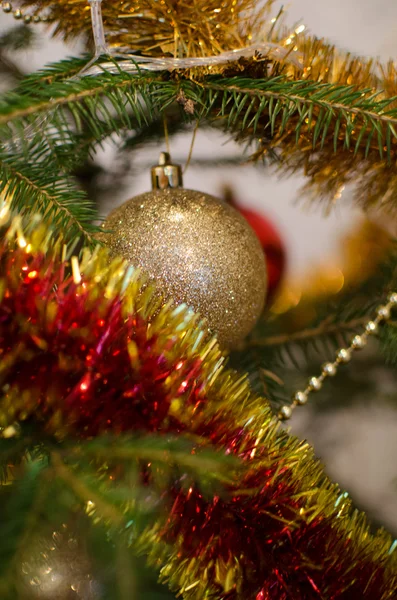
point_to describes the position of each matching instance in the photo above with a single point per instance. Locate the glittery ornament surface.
(97, 352)
(199, 251)
(56, 566)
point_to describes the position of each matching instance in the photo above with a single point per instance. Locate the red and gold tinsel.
(96, 351)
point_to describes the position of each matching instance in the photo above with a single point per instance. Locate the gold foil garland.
(195, 28)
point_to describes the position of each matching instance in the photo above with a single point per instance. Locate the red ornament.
(271, 242)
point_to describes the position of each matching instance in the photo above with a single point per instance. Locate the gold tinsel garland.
(166, 27)
(206, 27)
(282, 529)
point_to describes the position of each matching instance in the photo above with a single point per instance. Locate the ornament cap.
(165, 174)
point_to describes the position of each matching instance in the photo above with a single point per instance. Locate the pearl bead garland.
(19, 15)
(343, 356)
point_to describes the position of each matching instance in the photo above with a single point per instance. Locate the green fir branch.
(19, 517)
(17, 38)
(12, 452)
(327, 327)
(170, 452)
(169, 457)
(275, 354)
(75, 114)
(166, 458)
(350, 116)
(333, 328)
(354, 117)
(114, 102)
(11, 41)
(265, 375)
(388, 340)
(35, 185)
(63, 476)
(86, 494)
(65, 69)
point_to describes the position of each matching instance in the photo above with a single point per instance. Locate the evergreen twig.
(19, 518)
(83, 493)
(37, 185)
(326, 327)
(275, 112)
(350, 116)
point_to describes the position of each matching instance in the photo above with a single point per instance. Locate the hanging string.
(98, 30)
(133, 63)
(166, 134)
(137, 62)
(189, 158)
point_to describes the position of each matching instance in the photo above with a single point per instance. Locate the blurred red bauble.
(271, 242)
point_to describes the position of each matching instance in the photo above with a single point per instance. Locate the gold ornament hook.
(165, 174)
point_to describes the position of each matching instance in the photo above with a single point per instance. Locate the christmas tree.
(149, 362)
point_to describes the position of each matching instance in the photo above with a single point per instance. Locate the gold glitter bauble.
(56, 566)
(200, 251)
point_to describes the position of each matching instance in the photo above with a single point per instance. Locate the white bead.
(344, 355)
(315, 383)
(393, 298)
(359, 341)
(384, 312)
(371, 327)
(285, 412)
(329, 369)
(300, 398)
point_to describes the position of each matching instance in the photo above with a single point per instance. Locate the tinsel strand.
(97, 351)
